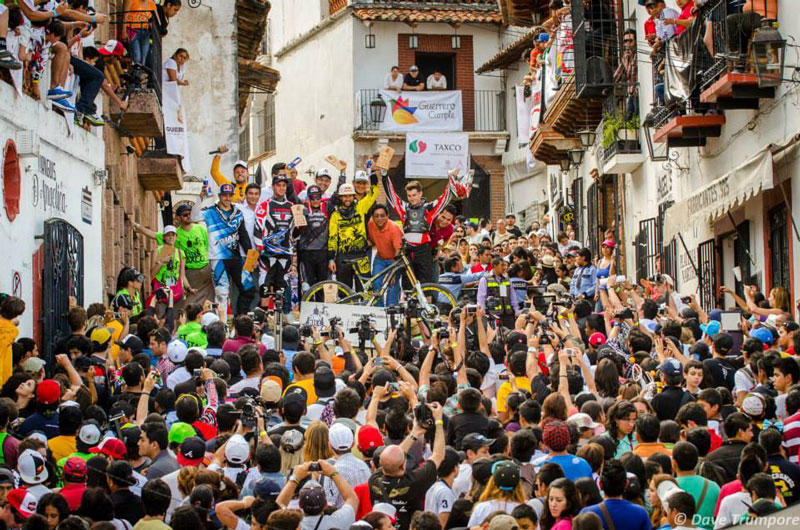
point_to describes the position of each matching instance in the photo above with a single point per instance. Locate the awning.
(701, 209)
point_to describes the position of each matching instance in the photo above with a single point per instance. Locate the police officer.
(496, 296)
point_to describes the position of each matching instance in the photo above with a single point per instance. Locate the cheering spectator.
(412, 80)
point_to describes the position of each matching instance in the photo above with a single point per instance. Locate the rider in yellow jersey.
(347, 233)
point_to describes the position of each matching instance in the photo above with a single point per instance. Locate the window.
(577, 206)
(244, 141)
(779, 248)
(706, 262)
(266, 46)
(266, 138)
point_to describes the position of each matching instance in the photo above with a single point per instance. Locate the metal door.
(646, 249)
(779, 248)
(63, 277)
(706, 262)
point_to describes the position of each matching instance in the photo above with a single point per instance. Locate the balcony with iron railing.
(483, 111)
(618, 135)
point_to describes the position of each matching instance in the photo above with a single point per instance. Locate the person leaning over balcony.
(7, 59)
(165, 11)
(412, 80)
(394, 80)
(241, 174)
(137, 28)
(436, 81)
(686, 17)
(94, 57)
(174, 67)
(628, 73)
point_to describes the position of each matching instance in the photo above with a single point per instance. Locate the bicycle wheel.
(438, 295)
(316, 293)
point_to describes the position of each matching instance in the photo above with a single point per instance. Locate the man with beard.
(347, 235)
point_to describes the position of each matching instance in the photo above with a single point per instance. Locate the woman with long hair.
(658, 515)
(316, 446)
(562, 505)
(463, 250)
(21, 388)
(778, 301)
(503, 492)
(619, 426)
(606, 267)
(606, 378)
(291, 449)
(54, 508)
(554, 407)
(588, 492)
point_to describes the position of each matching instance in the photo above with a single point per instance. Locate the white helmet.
(347, 189)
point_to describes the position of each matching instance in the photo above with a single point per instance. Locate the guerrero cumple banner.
(433, 155)
(422, 111)
(174, 123)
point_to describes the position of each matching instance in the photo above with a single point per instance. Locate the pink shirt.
(730, 488)
(563, 524)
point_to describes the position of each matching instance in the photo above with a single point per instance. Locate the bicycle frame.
(389, 272)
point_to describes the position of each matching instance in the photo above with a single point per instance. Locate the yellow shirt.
(220, 179)
(8, 334)
(308, 386)
(62, 446)
(116, 326)
(523, 383)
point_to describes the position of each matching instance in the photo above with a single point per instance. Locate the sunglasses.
(627, 40)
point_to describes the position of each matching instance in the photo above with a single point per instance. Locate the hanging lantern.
(575, 156)
(587, 137)
(649, 131)
(369, 41)
(413, 41)
(768, 49)
(377, 109)
(564, 163)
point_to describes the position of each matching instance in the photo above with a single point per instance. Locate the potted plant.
(619, 133)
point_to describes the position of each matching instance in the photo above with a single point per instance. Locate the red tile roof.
(438, 14)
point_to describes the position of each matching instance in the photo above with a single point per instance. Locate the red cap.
(23, 501)
(597, 339)
(112, 47)
(111, 447)
(48, 392)
(75, 467)
(369, 438)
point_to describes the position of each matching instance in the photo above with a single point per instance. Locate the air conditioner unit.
(27, 143)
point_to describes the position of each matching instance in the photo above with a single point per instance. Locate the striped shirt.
(791, 437)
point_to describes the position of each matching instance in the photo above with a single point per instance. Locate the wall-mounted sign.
(433, 155)
(422, 111)
(48, 192)
(86, 205)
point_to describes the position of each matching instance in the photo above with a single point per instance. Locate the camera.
(473, 308)
(364, 329)
(395, 310)
(423, 415)
(394, 387)
(625, 314)
(686, 299)
(161, 294)
(314, 466)
(305, 330)
(443, 333)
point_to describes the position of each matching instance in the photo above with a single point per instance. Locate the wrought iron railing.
(483, 110)
(619, 130)
(152, 62)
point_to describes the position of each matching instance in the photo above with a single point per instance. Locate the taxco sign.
(433, 155)
(422, 111)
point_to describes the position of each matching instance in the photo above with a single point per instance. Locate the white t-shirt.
(482, 510)
(177, 377)
(170, 64)
(432, 83)
(390, 83)
(250, 382)
(743, 380)
(341, 518)
(731, 509)
(439, 498)
(463, 480)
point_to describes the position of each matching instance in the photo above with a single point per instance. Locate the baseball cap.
(312, 498)
(290, 338)
(322, 173)
(711, 328)
(89, 433)
(516, 341)
(226, 189)
(75, 468)
(555, 435)
(671, 367)
(33, 365)
(503, 522)
(597, 339)
(294, 401)
(386, 509)
(753, 405)
(543, 37)
(270, 391)
(280, 178)
(208, 318)
(111, 447)
(180, 431)
(31, 468)
(360, 175)
(474, 441)
(241, 163)
(340, 437)
(169, 229)
(6, 476)
(723, 343)
(102, 336)
(133, 343)
(760, 333)
(48, 392)
(313, 190)
(607, 243)
(413, 68)
(183, 208)
(347, 189)
(176, 351)
(581, 420)
(291, 441)
(506, 473)
(23, 501)
(192, 451)
(237, 451)
(112, 47)
(266, 489)
(369, 438)
(324, 382)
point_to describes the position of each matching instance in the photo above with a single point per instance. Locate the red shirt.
(686, 13)
(650, 26)
(73, 493)
(441, 234)
(237, 342)
(480, 267)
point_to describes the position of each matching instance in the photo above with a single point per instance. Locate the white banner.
(175, 123)
(536, 104)
(319, 314)
(422, 111)
(433, 155)
(523, 115)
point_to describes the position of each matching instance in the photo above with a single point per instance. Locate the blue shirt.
(583, 281)
(623, 514)
(454, 281)
(574, 467)
(289, 355)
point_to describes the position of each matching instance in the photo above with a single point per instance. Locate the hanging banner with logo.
(434, 155)
(175, 123)
(523, 115)
(422, 111)
(536, 105)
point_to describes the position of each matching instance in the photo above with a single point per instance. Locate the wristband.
(439, 422)
(561, 317)
(571, 315)
(92, 19)
(262, 434)
(334, 474)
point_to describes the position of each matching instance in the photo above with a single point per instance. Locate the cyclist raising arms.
(347, 235)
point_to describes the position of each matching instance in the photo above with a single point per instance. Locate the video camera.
(365, 328)
(333, 333)
(250, 414)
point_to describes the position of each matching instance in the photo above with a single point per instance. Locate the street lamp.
(564, 163)
(587, 137)
(455, 41)
(377, 110)
(413, 41)
(768, 49)
(575, 156)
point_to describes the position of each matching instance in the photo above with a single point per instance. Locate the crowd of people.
(558, 393)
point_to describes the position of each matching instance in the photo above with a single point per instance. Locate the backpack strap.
(702, 494)
(607, 516)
